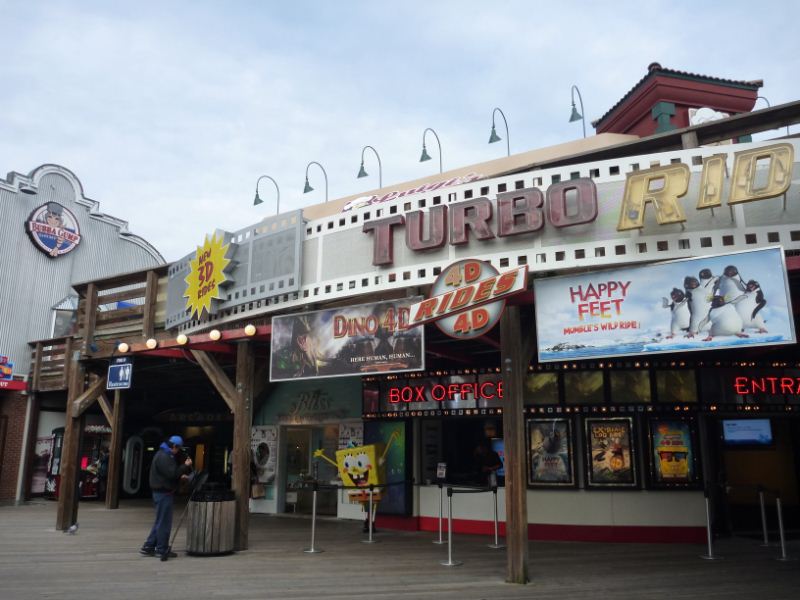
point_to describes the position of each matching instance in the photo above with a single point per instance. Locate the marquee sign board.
(468, 298)
(704, 303)
(352, 340)
(266, 261)
(552, 219)
(757, 174)
(206, 275)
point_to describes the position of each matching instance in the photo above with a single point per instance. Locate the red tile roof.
(655, 68)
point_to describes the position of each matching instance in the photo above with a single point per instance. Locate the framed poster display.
(550, 455)
(673, 456)
(610, 453)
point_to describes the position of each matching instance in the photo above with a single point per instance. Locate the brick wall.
(12, 406)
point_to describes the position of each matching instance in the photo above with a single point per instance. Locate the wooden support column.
(150, 296)
(514, 368)
(67, 511)
(242, 424)
(115, 454)
(37, 366)
(90, 318)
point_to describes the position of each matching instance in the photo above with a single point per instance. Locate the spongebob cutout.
(361, 468)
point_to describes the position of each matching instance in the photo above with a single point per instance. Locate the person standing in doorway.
(102, 473)
(165, 475)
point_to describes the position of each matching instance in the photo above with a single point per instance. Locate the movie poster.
(672, 452)
(41, 460)
(353, 340)
(264, 446)
(706, 303)
(610, 458)
(550, 452)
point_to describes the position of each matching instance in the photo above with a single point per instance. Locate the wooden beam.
(689, 140)
(217, 377)
(90, 316)
(88, 397)
(67, 510)
(105, 406)
(115, 451)
(67, 360)
(242, 424)
(37, 365)
(150, 297)
(514, 370)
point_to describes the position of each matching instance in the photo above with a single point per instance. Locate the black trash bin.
(212, 513)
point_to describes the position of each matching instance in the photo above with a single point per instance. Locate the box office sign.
(369, 338)
(705, 303)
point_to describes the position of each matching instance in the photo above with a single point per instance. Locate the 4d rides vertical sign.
(207, 275)
(468, 298)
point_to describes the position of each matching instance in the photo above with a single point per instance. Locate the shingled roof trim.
(656, 69)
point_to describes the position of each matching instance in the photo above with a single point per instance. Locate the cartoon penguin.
(699, 303)
(749, 304)
(724, 320)
(709, 283)
(680, 312)
(730, 283)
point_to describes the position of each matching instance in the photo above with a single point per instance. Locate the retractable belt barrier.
(762, 493)
(369, 497)
(466, 490)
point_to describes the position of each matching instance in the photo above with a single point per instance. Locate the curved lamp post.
(425, 156)
(577, 116)
(258, 200)
(496, 138)
(363, 173)
(307, 188)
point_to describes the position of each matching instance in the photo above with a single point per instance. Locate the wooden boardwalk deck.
(102, 561)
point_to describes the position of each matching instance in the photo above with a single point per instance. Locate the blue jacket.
(165, 473)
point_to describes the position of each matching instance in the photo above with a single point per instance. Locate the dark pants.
(159, 534)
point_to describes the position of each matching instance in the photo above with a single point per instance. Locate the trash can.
(211, 517)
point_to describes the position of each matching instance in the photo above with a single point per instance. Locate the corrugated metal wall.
(32, 282)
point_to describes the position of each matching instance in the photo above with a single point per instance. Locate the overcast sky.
(169, 111)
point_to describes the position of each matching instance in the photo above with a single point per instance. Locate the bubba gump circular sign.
(53, 229)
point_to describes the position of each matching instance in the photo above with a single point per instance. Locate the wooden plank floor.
(101, 561)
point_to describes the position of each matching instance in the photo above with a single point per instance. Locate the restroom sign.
(120, 374)
(468, 298)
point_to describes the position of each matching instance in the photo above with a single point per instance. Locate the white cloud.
(168, 113)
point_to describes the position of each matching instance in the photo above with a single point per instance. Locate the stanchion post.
(370, 508)
(710, 555)
(497, 543)
(763, 516)
(450, 562)
(441, 502)
(783, 556)
(312, 549)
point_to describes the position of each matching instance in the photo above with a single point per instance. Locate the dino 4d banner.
(354, 340)
(722, 301)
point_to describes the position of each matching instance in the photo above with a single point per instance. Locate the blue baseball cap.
(176, 440)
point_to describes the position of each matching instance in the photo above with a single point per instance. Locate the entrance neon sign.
(488, 390)
(744, 386)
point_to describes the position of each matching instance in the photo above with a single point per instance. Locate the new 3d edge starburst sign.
(206, 275)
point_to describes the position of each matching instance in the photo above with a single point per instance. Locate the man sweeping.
(165, 475)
